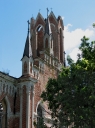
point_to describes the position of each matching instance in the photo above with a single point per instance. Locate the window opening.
(3, 114)
(46, 43)
(25, 67)
(39, 116)
(39, 28)
(51, 44)
(31, 67)
(39, 39)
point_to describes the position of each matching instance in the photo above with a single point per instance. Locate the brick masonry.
(20, 96)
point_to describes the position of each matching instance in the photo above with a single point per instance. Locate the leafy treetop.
(71, 97)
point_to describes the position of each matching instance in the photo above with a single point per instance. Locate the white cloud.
(73, 53)
(72, 39)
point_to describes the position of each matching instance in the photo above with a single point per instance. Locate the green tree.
(93, 24)
(40, 124)
(71, 97)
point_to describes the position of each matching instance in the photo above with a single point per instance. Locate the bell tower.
(21, 105)
(42, 59)
(48, 37)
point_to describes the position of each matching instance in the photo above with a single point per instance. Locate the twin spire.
(47, 26)
(28, 49)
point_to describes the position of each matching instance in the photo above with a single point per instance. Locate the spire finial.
(28, 25)
(47, 11)
(39, 10)
(27, 48)
(51, 9)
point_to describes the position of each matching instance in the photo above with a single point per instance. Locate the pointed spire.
(27, 49)
(47, 27)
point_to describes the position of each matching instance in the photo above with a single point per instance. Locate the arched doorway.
(3, 114)
(39, 116)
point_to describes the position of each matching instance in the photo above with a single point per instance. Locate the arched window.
(10, 90)
(39, 116)
(25, 67)
(39, 111)
(7, 88)
(3, 87)
(30, 67)
(46, 43)
(34, 74)
(39, 38)
(51, 43)
(3, 114)
(13, 90)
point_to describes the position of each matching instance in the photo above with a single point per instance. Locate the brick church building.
(43, 57)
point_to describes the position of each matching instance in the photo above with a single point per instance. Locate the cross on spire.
(27, 48)
(47, 26)
(28, 25)
(39, 10)
(47, 11)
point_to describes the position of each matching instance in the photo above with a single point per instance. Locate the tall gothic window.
(39, 116)
(30, 67)
(25, 67)
(3, 114)
(51, 44)
(39, 38)
(46, 43)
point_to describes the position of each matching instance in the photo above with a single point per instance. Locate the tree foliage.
(40, 124)
(93, 24)
(71, 97)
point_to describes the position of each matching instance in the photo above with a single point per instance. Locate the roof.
(47, 26)
(27, 49)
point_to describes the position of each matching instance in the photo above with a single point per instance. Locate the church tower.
(47, 46)
(43, 58)
(47, 39)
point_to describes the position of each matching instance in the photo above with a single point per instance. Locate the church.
(42, 58)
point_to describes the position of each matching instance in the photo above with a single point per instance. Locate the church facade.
(43, 57)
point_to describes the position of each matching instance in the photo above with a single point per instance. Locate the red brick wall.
(31, 95)
(58, 49)
(37, 94)
(2, 96)
(40, 86)
(13, 122)
(17, 104)
(24, 101)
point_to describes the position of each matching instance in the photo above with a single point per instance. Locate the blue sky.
(78, 16)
